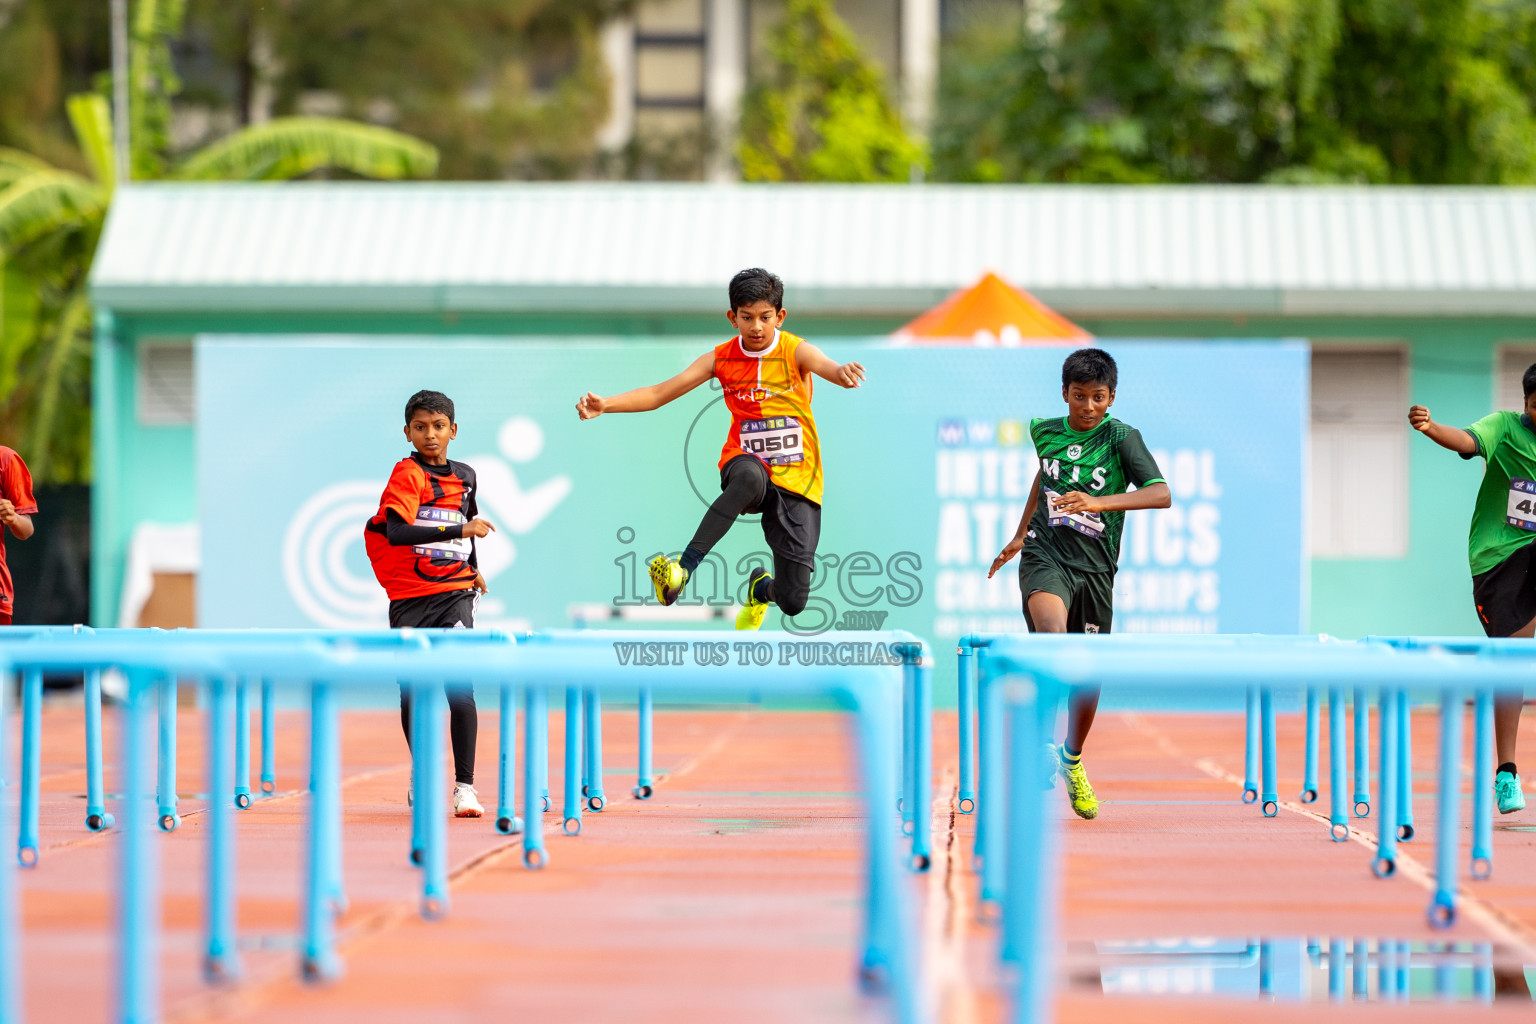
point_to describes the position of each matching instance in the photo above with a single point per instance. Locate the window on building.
(166, 392)
(669, 136)
(669, 55)
(1359, 466)
(1513, 361)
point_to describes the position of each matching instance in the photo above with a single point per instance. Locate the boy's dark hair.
(1090, 366)
(429, 401)
(1528, 382)
(756, 285)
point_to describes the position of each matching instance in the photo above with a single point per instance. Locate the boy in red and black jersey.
(421, 543)
(17, 507)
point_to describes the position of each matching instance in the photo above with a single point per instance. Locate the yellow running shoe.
(752, 613)
(1079, 791)
(668, 577)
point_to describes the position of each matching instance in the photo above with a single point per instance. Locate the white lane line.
(948, 903)
(1499, 924)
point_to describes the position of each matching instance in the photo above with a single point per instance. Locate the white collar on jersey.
(758, 355)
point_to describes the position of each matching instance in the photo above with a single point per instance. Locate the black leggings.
(791, 586)
(744, 488)
(463, 725)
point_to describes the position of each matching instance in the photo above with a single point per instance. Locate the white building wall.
(919, 71)
(618, 43)
(725, 80)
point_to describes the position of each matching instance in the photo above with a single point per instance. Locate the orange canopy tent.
(990, 312)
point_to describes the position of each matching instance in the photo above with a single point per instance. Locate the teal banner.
(927, 468)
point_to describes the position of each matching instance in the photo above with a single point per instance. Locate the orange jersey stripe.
(770, 403)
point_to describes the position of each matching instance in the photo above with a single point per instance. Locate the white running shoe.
(466, 802)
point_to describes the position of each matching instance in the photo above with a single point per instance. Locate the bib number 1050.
(775, 440)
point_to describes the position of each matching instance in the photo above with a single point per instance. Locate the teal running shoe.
(1506, 787)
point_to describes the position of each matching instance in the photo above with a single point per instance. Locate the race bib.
(456, 549)
(776, 440)
(1522, 504)
(1089, 524)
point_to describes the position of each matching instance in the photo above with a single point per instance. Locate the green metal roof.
(841, 249)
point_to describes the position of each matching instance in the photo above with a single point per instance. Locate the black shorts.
(1089, 596)
(1506, 594)
(791, 522)
(451, 609)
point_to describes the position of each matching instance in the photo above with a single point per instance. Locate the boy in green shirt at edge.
(1067, 571)
(1501, 549)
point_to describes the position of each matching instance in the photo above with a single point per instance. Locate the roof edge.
(849, 302)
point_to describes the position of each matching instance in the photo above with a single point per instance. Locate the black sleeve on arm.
(401, 534)
(471, 507)
(1477, 444)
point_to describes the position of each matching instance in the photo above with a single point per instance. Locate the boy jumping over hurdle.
(771, 462)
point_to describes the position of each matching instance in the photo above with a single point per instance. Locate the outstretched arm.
(813, 360)
(700, 370)
(1454, 438)
(1016, 543)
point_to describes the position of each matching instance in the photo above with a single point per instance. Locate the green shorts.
(1089, 596)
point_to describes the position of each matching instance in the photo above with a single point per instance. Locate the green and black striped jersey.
(1104, 460)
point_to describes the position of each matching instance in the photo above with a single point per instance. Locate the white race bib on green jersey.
(1089, 524)
(1522, 504)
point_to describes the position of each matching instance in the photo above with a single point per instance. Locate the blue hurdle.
(870, 691)
(583, 747)
(1029, 675)
(1260, 777)
(1483, 761)
(10, 952)
(976, 675)
(917, 714)
(97, 817)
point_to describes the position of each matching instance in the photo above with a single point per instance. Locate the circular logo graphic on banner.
(315, 558)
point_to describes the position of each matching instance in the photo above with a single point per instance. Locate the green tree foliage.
(51, 219)
(500, 87)
(47, 50)
(819, 110)
(1430, 91)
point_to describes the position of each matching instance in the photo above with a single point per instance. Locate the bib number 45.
(1521, 510)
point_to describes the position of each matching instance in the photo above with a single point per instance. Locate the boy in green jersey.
(1501, 549)
(1071, 538)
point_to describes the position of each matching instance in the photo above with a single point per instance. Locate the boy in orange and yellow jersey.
(771, 462)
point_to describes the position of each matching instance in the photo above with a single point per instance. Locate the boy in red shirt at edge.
(421, 545)
(17, 507)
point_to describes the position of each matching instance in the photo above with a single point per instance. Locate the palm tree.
(51, 218)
